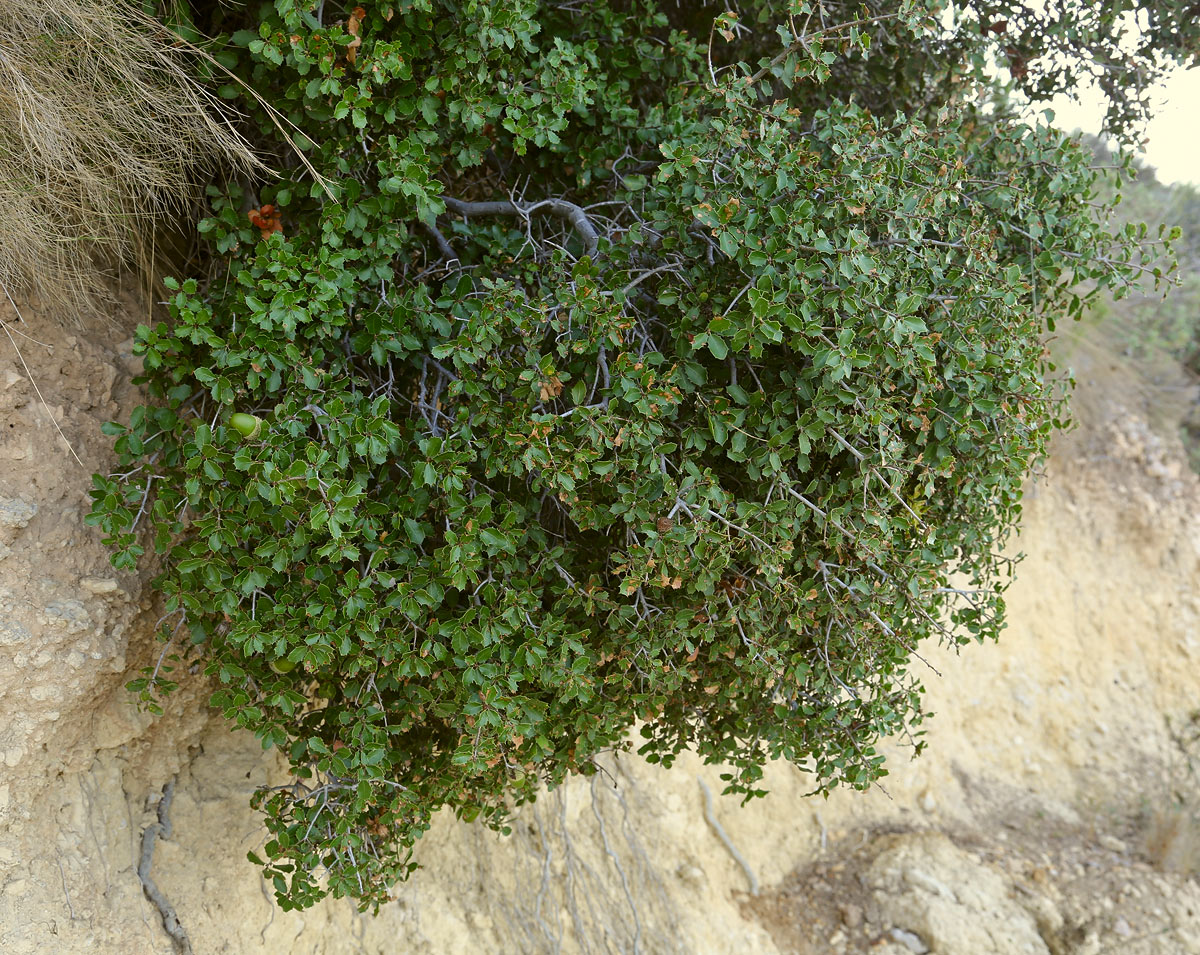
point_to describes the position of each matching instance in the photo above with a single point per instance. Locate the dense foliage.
(590, 367)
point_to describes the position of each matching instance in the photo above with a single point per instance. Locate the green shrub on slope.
(624, 369)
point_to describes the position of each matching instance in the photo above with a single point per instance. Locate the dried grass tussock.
(103, 129)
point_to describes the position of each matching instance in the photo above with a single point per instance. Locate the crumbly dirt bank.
(1052, 813)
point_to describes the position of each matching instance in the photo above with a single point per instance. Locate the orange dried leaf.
(265, 219)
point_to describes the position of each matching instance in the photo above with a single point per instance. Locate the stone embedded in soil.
(910, 940)
(16, 512)
(948, 900)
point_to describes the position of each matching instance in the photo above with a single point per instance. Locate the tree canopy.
(597, 367)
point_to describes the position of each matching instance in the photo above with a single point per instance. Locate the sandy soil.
(1051, 814)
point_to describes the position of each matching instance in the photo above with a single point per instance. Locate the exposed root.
(162, 828)
(724, 837)
(582, 880)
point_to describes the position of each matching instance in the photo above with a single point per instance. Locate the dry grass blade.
(103, 129)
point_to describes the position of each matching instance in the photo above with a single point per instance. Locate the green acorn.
(247, 425)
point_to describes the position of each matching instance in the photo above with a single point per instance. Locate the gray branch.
(443, 244)
(559, 207)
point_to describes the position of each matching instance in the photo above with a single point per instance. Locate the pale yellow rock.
(99, 585)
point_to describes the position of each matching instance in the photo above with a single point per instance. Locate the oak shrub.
(599, 366)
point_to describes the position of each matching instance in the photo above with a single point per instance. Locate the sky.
(1173, 136)
(1173, 144)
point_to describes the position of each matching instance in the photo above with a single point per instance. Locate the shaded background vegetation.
(1161, 331)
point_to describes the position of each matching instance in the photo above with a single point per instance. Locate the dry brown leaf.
(354, 28)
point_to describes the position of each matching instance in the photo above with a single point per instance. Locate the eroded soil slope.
(1051, 813)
